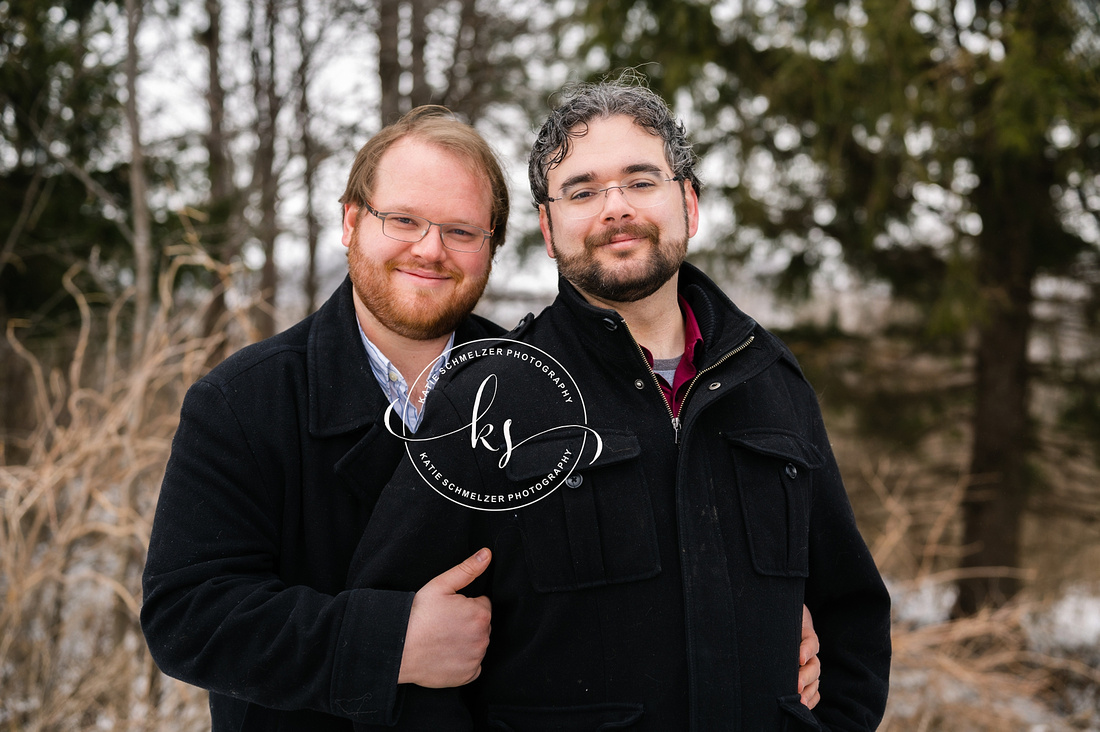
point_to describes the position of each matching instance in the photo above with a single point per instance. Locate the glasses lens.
(640, 191)
(404, 227)
(456, 237)
(463, 238)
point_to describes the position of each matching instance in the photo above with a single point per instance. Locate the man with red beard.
(282, 451)
(662, 585)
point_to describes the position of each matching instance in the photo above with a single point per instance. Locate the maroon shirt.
(686, 369)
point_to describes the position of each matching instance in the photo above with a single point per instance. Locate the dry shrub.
(980, 674)
(75, 526)
(973, 674)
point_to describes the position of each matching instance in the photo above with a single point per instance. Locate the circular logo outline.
(433, 378)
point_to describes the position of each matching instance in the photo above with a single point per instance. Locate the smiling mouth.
(424, 277)
(623, 238)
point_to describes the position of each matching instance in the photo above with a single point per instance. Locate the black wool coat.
(279, 457)
(661, 587)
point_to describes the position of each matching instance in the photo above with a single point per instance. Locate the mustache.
(633, 230)
(421, 265)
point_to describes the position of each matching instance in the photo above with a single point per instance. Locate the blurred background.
(908, 191)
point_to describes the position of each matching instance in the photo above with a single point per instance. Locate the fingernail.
(482, 554)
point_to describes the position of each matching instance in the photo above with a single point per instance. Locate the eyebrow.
(416, 211)
(589, 176)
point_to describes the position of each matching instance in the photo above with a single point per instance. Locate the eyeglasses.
(406, 227)
(644, 190)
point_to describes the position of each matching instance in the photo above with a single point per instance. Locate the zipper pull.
(676, 429)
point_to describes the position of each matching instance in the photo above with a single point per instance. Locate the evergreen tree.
(63, 185)
(949, 148)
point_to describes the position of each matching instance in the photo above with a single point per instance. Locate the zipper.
(676, 425)
(653, 375)
(716, 364)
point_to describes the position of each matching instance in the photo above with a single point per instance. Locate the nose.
(430, 248)
(615, 205)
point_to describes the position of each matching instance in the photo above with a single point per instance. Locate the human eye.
(405, 222)
(462, 233)
(580, 195)
(643, 184)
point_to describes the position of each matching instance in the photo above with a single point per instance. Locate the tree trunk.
(418, 34)
(468, 65)
(143, 258)
(264, 178)
(999, 482)
(220, 241)
(143, 293)
(389, 63)
(220, 165)
(311, 154)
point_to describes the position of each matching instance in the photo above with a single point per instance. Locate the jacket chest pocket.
(597, 528)
(774, 472)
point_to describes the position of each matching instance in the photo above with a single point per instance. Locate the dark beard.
(427, 318)
(590, 276)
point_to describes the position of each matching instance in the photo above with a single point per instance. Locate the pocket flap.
(780, 444)
(541, 454)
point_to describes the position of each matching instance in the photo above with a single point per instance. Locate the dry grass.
(75, 527)
(977, 674)
(980, 675)
(990, 672)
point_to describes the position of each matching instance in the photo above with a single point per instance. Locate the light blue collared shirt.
(394, 386)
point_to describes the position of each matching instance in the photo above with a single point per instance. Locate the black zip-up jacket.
(660, 588)
(275, 468)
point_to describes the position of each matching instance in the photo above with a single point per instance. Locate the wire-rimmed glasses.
(641, 190)
(409, 228)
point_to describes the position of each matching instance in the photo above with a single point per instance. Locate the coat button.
(610, 323)
(715, 385)
(792, 471)
(639, 384)
(574, 481)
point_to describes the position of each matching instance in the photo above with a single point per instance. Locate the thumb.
(457, 577)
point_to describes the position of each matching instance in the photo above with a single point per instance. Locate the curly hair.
(627, 95)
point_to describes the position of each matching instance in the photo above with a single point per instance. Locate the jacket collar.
(343, 393)
(723, 325)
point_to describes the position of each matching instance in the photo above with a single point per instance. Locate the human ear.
(351, 216)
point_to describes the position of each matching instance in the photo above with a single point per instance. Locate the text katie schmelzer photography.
(516, 429)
